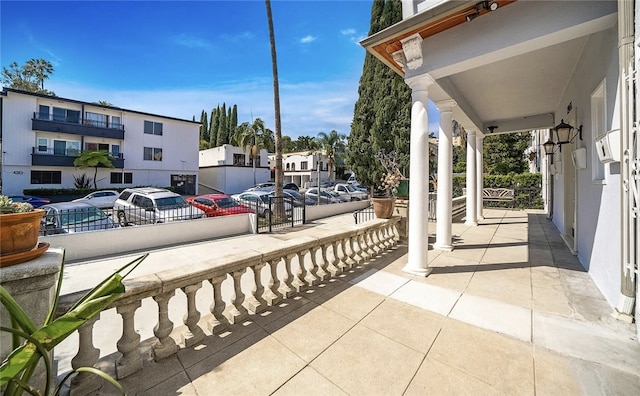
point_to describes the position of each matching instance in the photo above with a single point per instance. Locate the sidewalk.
(509, 311)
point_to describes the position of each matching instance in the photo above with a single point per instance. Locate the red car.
(218, 205)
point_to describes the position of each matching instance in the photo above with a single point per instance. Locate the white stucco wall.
(179, 143)
(598, 232)
(87, 245)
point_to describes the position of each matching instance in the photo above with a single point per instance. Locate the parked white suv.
(348, 190)
(150, 205)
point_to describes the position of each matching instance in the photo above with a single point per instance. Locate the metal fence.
(363, 215)
(281, 212)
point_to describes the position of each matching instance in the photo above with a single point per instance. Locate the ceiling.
(509, 68)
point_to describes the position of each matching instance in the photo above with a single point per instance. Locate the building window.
(117, 177)
(293, 166)
(43, 113)
(46, 177)
(115, 151)
(598, 127)
(256, 159)
(96, 147)
(95, 119)
(116, 122)
(63, 147)
(152, 154)
(66, 115)
(153, 128)
(238, 159)
(42, 144)
(304, 165)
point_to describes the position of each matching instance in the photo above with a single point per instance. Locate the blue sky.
(178, 58)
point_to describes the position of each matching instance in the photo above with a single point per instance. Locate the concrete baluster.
(218, 322)
(324, 266)
(337, 264)
(347, 252)
(165, 346)
(287, 283)
(257, 303)
(272, 295)
(316, 274)
(238, 312)
(84, 383)
(128, 345)
(299, 279)
(194, 334)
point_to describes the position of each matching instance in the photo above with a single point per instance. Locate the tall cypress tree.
(223, 132)
(233, 120)
(382, 113)
(204, 127)
(213, 128)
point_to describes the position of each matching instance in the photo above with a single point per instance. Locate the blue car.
(36, 202)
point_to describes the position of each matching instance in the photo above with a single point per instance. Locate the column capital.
(446, 105)
(471, 132)
(420, 82)
(480, 136)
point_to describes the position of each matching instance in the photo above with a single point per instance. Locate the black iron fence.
(279, 212)
(363, 215)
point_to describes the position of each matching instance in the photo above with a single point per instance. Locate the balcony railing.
(77, 126)
(276, 274)
(65, 157)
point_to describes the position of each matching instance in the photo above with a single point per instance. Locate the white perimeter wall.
(87, 245)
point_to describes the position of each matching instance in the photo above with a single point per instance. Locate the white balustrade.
(318, 258)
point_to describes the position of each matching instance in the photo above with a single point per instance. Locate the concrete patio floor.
(508, 312)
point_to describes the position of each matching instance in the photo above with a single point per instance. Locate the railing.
(367, 213)
(67, 152)
(278, 271)
(78, 121)
(84, 219)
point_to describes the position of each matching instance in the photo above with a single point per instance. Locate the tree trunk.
(276, 104)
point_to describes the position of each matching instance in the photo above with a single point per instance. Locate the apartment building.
(42, 136)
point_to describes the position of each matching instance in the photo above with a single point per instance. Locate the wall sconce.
(548, 147)
(563, 133)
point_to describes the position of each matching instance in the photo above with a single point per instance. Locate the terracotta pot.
(19, 232)
(383, 207)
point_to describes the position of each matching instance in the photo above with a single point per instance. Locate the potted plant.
(31, 343)
(19, 228)
(383, 204)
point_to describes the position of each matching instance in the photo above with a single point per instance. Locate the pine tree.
(382, 113)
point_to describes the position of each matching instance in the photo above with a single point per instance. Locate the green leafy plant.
(8, 206)
(18, 367)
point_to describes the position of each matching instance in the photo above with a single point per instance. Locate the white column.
(417, 263)
(472, 176)
(480, 179)
(445, 176)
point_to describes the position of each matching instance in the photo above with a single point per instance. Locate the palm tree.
(256, 137)
(93, 159)
(276, 105)
(40, 69)
(332, 145)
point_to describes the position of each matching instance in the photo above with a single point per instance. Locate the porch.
(508, 311)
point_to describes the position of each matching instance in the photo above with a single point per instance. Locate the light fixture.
(548, 147)
(563, 133)
(492, 128)
(471, 17)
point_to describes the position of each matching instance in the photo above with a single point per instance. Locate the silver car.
(150, 205)
(72, 217)
(104, 199)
